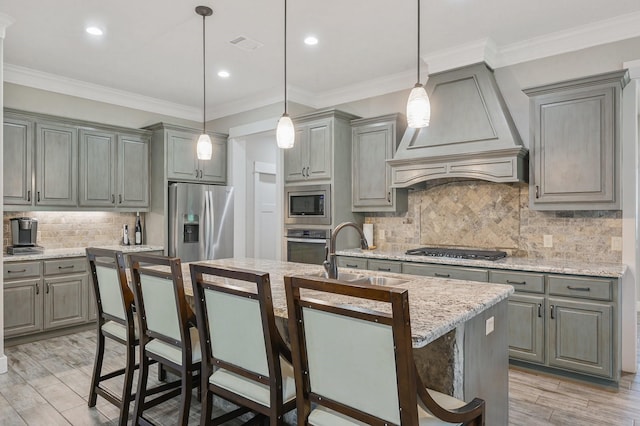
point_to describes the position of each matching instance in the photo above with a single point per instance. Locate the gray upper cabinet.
(182, 159)
(373, 142)
(574, 145)
(57, 165)
(133, 171)
(17, 164)
(97, 165)
(310, 157)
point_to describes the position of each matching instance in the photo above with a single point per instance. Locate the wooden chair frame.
(411, 389)
(98, 257)
(275, 345)
(147, 264)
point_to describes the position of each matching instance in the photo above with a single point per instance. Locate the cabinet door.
(294, 162)
(319, 150)
(57, 165)
(17, 163)
(65, 301)
(451, 272)
(371, 147)
(133, 171)
(97, 168)
(526, 327)
(182, 161)
(215, 170)
(580, 336)
(574, 150)
(22, 307)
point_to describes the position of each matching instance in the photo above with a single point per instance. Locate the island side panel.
(486, 362)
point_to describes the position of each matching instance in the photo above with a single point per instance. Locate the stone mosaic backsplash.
(73, 229)
(478, 214)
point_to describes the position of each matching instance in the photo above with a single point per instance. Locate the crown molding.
(633, 67)
(483, 50)
(68, 86)
(5, 21)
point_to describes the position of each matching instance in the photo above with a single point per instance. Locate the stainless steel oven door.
(306, 250)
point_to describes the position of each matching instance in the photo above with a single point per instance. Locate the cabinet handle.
(570, 287)
(539, 310)
(537, 191)
(201, 174)
(350, 266)
(29, 195)
(517, 282)
(119, 198)
(66, 267)
(38, 196)
(384, 269)
(16, 272)
(389, 197)
(439, 275)
(37, 288)
(113, 198)
(196, 172)
(553, 315)
(47, 288)
(307, 171)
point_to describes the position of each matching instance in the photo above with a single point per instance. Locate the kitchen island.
(459, 328)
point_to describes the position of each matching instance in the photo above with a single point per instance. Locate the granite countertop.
(610, 270)
(73, 252)
(436, 305)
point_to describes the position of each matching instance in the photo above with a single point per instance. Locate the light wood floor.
(48, 383)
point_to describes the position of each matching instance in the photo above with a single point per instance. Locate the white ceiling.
(150, 55)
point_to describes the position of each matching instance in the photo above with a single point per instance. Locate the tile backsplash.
(478, 214)
(73, 229)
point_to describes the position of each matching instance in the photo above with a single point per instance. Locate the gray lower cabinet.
(443, 271)
(17, 163)
(373, 142)
(352, 262)
(22, 307)
(384, 265)
(56, 165)
(65, 301)
(526, 327)
(575, 143)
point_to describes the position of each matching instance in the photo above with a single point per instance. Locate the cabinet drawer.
(586, 288)
(385, 266)
(451, 272)
(65, 266)
(533, 283)
(21, 270)
(352, 262)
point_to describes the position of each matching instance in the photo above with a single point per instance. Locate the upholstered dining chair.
(245, 360)
(116, 321)
(355, 364)
(167, 333)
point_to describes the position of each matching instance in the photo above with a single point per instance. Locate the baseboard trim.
(3, 364)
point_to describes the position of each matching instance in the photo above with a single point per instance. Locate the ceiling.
(150, 56)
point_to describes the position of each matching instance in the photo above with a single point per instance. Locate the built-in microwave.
(307, 205)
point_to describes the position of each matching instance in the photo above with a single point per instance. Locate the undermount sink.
(362, 279)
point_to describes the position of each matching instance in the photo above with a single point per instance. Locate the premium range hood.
(471, 135)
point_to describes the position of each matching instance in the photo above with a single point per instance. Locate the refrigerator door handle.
(207, 228)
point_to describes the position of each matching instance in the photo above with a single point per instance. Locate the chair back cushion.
(235, 326)
(352, 361)
(110, 291)
(160, 307)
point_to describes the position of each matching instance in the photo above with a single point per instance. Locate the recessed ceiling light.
(311, 41)
(94, 31)
(223, 74)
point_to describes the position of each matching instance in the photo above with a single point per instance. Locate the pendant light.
(285, 133)
(204, 148)
(418, 105)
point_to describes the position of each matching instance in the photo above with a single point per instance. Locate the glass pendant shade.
(204, 148)
(418, 107)
(285, 133)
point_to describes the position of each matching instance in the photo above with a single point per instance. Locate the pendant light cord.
(285, 56)
(204, 79)
(418, 61)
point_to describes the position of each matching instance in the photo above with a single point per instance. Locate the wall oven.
(307, 245)
(307, 205)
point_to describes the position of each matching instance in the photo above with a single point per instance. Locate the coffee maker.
(24, 232)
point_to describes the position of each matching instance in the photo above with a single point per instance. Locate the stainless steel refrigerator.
(200, 221)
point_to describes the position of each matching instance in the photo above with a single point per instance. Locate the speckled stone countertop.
(436, 305)
(610, 270)
(73, 252)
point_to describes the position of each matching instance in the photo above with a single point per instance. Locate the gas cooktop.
(458, 253)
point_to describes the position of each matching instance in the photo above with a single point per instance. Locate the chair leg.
(185, 397)
(97, 370)
(207, 403)
(142, 386)
(128, 383)
(162, 373)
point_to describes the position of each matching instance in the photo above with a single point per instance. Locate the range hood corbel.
(472, 134)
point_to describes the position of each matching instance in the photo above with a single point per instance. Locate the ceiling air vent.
(246, 43)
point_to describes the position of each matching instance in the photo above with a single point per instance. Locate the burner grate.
(458, 253)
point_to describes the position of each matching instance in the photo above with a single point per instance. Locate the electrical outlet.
(548, 241)
(616, 243)
(490, 326)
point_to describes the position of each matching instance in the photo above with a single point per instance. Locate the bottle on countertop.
(125, 235)
(138, 230)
